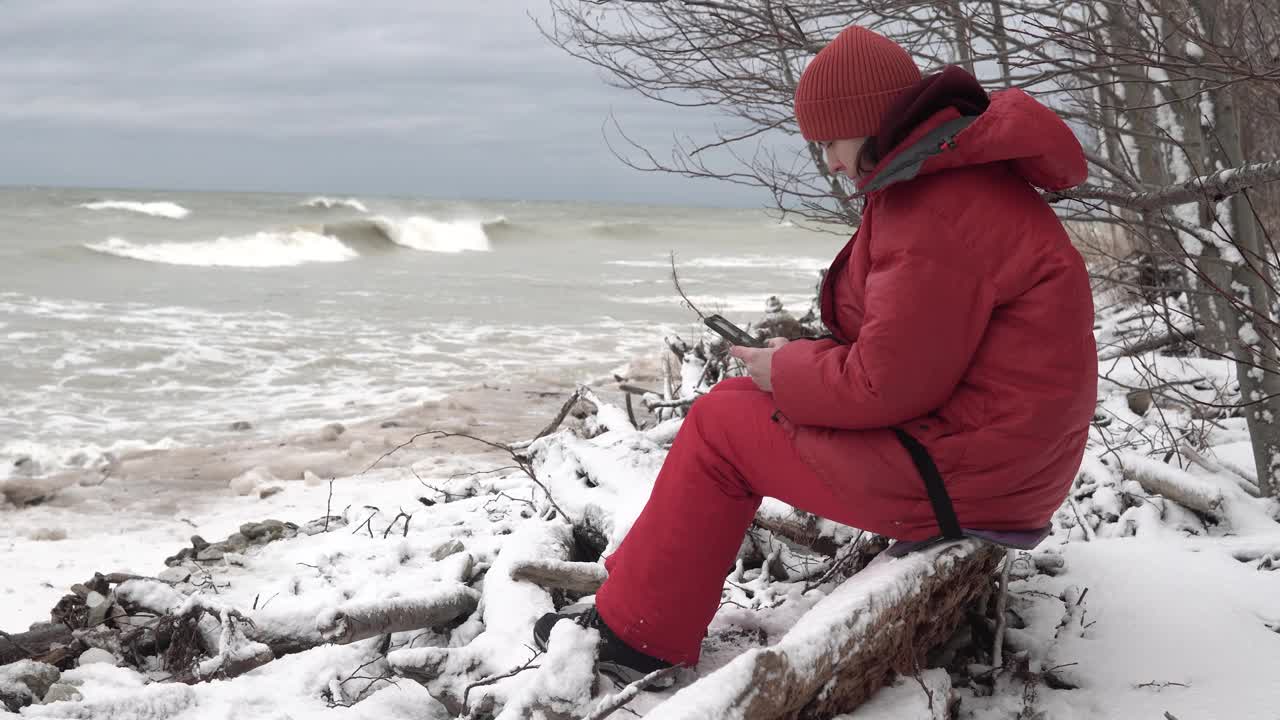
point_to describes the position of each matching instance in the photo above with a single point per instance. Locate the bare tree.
(1177, 102)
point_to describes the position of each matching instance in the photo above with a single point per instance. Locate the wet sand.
(168, 481)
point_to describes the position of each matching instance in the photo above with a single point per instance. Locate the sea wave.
(623, 228)
(169, 210)
(263, 249)
(418, 232)
(326, 203)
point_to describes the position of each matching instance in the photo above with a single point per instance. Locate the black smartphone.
(733, 333)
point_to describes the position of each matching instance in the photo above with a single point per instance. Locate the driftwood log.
(577, 577)
(361, 620)
(46, 643)
(882, 621)
(799, 527)
(1177, 485)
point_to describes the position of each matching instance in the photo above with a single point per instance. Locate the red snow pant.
(666, 576)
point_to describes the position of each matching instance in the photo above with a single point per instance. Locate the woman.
(962, 334)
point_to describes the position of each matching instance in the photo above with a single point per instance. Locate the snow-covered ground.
(1151, 609)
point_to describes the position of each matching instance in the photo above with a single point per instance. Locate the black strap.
(938, 497)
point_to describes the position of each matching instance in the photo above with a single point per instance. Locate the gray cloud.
(401, 96)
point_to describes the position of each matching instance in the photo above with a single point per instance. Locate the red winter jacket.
(961, 314)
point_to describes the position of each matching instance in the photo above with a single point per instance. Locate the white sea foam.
(791, 265)
(420, 232)
(753, 303)
(169, 210)
(327, 203)
(263, 249)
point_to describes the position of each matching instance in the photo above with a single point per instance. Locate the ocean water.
(137, 319)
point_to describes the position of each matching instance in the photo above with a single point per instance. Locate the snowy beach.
(1128, 610)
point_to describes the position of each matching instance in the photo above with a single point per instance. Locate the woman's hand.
(759, 361)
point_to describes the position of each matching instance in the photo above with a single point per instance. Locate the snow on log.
(360, 620)
(881, 621)
(578, 577)
(510, 608)
(566, 676)
(822, 535)
(1173, 483)
(160, 701)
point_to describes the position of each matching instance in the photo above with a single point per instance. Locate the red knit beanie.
(847, 88)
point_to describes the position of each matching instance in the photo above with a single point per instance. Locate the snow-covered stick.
(612, 703)
(881, 621)
(511, 607)
(1214, 466)
(997, 650)
(360, 620)
(1215, 187)
(578, 577)
(1177, 485)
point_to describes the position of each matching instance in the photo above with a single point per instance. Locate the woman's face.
(842, 156)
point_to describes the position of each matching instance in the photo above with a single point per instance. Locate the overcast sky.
(439, 98)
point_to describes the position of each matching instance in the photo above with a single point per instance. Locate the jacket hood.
(1013, 128)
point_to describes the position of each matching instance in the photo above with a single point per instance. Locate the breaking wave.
(169, 210)
(325, 203)
(418, 232)
(263, 249)
(330, 242)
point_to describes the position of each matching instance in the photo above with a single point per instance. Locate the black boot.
(615, 657)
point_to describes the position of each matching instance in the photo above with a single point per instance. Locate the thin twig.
(491, 680)
(675, 280)
(328, 505)
(1084, 527)
(407, 517)
(608, 705)
(368, 523)
(560, 416)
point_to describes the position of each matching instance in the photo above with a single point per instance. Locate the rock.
(96, 656)
(263, 532)
(240, 425)
(446, 549)
(332, 431)
(311, 478)
(1139, 401)
(25, 681)
(62, 692)
(249, 481)
(183, 554)
(317, 526)
(236, 559)
(390, 424)
(47, 534)
(356, 448)
(777, 322)
(267, 492)
(199, 543)
(26, 465)
(213, 553)
(235, 542)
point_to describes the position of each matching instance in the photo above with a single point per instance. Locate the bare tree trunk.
(1253, 349)
(963, 35)
(1256, 357)
(1000, 36)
